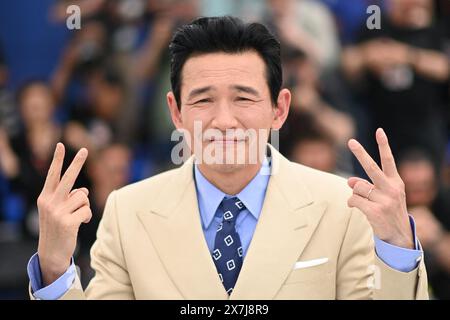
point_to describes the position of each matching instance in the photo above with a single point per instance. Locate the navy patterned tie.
(227, 254)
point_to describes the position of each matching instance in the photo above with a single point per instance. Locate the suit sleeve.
(362, 275)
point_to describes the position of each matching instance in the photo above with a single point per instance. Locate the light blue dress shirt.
(209, 198)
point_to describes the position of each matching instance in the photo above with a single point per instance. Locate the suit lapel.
(174, 226)
(287, 222)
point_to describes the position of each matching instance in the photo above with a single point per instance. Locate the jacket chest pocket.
(310, 271)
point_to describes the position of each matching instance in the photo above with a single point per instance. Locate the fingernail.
(57, 148)
(83, 152)
(352, 143)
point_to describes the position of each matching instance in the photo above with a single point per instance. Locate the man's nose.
(224, 117)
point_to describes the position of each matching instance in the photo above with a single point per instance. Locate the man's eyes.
(208, 100)
(203, 101)
(243, 99)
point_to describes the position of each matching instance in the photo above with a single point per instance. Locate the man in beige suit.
(294, 232)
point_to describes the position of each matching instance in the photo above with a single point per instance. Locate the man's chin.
(226, 167)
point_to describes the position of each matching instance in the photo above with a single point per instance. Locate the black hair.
(301, 127)
(414, 155)
(225, 34)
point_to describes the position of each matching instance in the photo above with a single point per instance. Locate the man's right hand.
(61, 212)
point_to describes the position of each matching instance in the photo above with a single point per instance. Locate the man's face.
(228, 96)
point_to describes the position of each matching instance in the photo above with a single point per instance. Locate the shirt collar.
(210, 197)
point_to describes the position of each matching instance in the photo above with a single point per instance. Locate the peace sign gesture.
(383, 201)
(61, 212)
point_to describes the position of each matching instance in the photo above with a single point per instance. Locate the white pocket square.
(310, 263)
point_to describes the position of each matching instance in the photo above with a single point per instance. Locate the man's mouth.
(226, 140)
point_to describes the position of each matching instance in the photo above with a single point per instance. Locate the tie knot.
(231, 208)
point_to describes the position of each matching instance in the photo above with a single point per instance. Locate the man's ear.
(281, 110)
(175, 113)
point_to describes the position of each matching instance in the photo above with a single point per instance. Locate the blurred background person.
(27, 155)
(306, 25)
(24, 161)
(108, 170)
(403, 72)
(316, 104)
(429, 202)
(305, 141)
(8, 118)
(94, 122)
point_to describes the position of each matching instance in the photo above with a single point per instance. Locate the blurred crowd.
(106, 91)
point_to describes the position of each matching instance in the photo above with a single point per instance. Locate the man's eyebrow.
(246, 89)
(199, 91)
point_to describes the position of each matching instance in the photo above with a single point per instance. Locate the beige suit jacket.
(308, 244)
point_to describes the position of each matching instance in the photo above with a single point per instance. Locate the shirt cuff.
(56, 289)
(400, 259)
